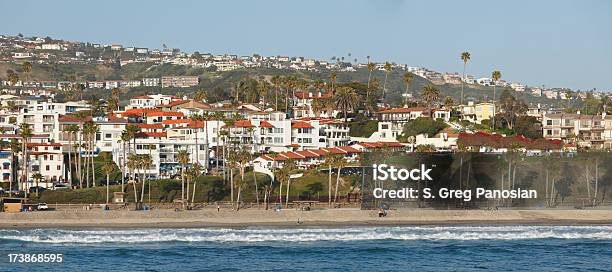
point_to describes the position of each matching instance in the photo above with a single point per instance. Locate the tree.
(333, 77)
(72, 130)
(196, 170)
(276, 81)
(145, 162)
(330, 162)
(15, 148)
(27, 69)
(423, 125)
(340, 163)
(263, 88)
(12, 77)
(388, 69)
(113, 101)
(430, 95)
(197, 120)
(496, 75)
(407, 80)
(200, 96)
(449, 103)
(283, 175)
(465, 57)
(346, 99)
(511, 108)
(108, 168)
(371, 68)
(183, 160)
(37, 177)
(133, 164)
(26, 133)
(124, 139)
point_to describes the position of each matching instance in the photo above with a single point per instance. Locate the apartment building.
(476, 113)
(48, 160)
(588, 131)
(151, 81)
(179, 81)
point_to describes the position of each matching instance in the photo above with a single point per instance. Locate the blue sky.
(554, 43)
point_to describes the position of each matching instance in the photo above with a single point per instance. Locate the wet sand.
(288, 218)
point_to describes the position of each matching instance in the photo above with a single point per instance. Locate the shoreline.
(348, 217)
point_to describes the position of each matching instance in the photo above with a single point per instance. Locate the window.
(47, 168)
(549, 122)
(59, 167)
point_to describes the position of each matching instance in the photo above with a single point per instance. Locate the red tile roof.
(265, 124)
(173, 103)
(152, 135)
(176, 121)
(150, 126)
(165, 113)
(43, 144)
(301, 124)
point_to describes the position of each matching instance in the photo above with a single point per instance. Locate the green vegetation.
(423, 125)
(362, 126)
(220, 84)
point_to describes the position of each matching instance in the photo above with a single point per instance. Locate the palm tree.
(37, 177)
(407, 79)
(263, 88)
(371, 68)
(27, 68)
(113, 101)
(496, 75)
(108, 168)
(131, 131)
(15, 148)
(333, 77)
(430, 95)
(132, 164)
(276, 81)
(183, 160)
(197, 119)
(388, 69)
(196, 173)
(449, 102)
(232, 163)
(465, 57)
(145, 163)
(124, 139)
(72, 131)
(284, 175)
(340, 163)
(330, 162)
(12, 77)
(200, 95)
(346, 99)
(25, 132)
(218, 116)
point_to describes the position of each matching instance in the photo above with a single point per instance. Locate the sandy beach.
(323, 217)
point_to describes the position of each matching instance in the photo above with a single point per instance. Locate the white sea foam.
(308, 234)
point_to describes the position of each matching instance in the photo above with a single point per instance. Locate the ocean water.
(387, 248)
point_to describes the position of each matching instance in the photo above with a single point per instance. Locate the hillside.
(222, 81)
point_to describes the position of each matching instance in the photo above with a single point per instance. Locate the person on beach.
(218, 208)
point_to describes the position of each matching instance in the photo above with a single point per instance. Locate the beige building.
(179, 81)
(593, 131)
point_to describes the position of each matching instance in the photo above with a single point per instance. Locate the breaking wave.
(226, 235)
